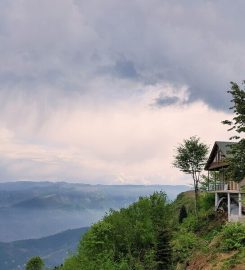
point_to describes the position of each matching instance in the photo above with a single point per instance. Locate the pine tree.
(164, 251)
(182, 214)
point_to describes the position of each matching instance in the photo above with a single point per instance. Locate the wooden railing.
(230, 185)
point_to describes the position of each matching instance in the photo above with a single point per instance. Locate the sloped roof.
(224, 147)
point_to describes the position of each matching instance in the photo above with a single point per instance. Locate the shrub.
(191, 223)
(233, 236)
(206, 201)
(183, 244)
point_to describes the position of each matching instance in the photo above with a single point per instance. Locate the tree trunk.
(196, 197)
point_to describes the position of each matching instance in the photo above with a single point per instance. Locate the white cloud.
(128, 142)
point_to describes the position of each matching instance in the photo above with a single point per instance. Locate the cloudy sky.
(103, 91)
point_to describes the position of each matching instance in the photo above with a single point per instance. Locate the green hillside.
(154, 234)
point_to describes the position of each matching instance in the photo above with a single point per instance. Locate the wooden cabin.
(229, 195)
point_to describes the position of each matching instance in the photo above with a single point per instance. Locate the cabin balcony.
(231, 186)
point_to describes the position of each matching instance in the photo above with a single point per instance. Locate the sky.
(102, 92)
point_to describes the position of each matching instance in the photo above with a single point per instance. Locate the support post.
(216, 200)
(223, 179)
(208, 180)
(229, 205)
(239, 204)
(215, 178)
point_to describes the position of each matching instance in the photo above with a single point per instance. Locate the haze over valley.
(37, 209)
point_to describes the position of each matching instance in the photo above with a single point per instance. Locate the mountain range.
(52, 249)
(38, 209)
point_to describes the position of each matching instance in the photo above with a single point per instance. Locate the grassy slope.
(211, 253)
(207, 243)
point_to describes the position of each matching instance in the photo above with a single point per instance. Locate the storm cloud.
(77, 77)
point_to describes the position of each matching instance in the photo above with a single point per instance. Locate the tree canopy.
(190, 158)
(136, 237)
(237, 152)
(35, 263)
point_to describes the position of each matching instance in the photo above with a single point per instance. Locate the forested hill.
(154, 234)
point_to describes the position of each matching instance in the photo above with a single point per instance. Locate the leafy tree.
(190, 158)
(237, 151)
(130, 238)
(35, 263)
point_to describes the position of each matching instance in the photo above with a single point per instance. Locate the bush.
(206, 201)
(191, 223)
(183, 244)
(233, 236)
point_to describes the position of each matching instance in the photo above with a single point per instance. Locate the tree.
(163, 250)
(236, 158)
(182, 214)
(190, 159)
(35, 263)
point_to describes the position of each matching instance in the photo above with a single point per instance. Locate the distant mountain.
(37, 209)
(52, 249)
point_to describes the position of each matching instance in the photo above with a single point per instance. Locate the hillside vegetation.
(154, 234)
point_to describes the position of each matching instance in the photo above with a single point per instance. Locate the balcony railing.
(225, 186)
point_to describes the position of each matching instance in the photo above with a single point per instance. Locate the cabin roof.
(224, 147)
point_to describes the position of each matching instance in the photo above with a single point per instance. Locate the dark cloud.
(67, 45)
(122, 68)
(165, 101)
(125, 69)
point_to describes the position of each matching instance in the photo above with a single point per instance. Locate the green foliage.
(71, 263)
(191, 224)
(237, 258)
(131, 238)
(190, 158)
(163, 250)
(124, 265)
(206, 201)
(236, 160)
(35, 263)
(206, 181)
(233, 237)
(238, 107)
(237, 157)
(147, 236)
(183, 244)
(186, 199)
(182, 214)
